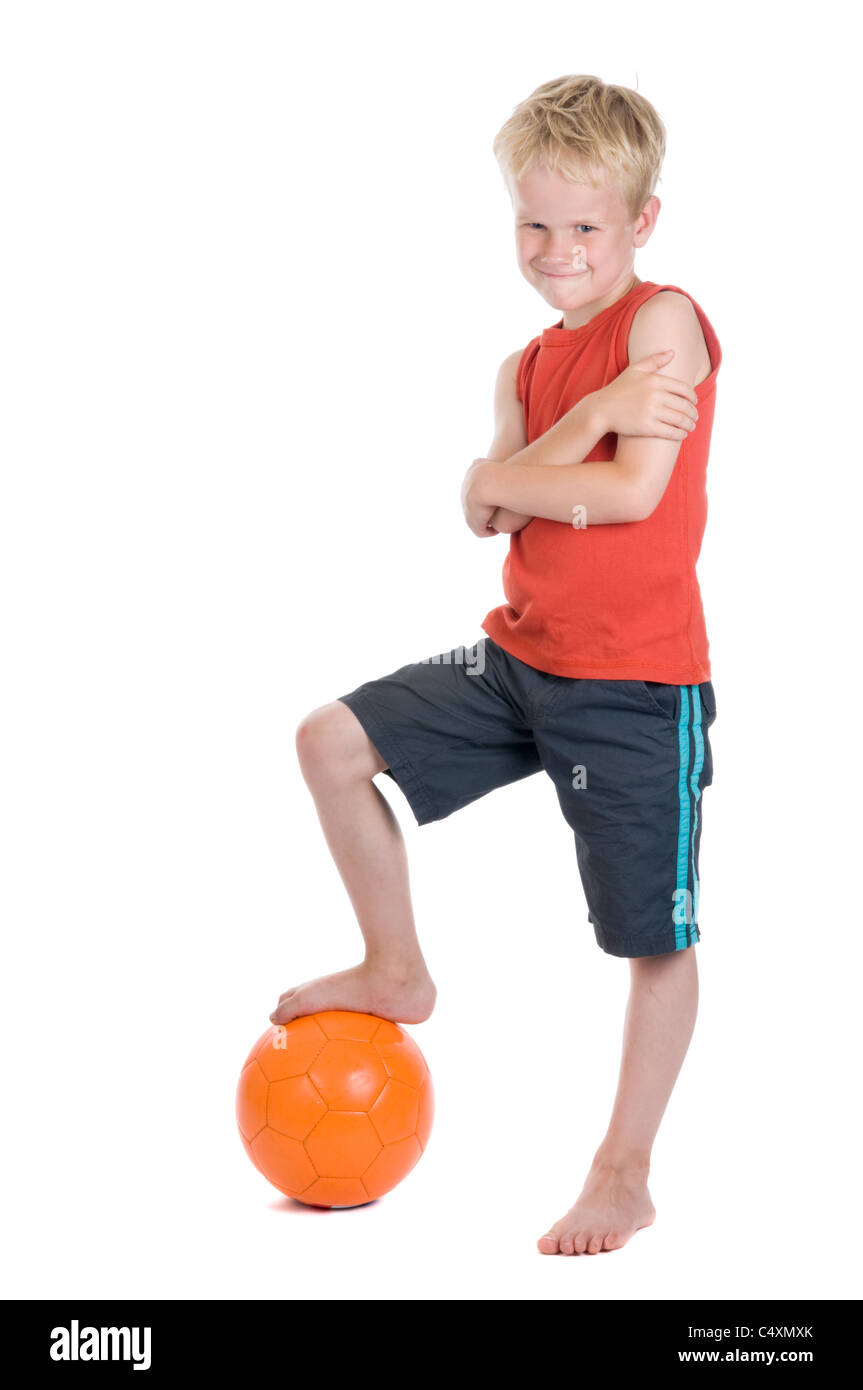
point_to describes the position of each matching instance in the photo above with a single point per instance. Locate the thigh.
(449, 728)
(630, 761)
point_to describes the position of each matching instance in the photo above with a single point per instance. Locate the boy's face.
(576, 242)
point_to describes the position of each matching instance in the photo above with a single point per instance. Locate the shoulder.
(666, 307)
(508, 373)
(509, 365)
(668, 320)
(514, 369)
(509, 384)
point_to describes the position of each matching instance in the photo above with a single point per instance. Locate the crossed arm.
(548, 477)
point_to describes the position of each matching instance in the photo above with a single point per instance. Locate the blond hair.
(591, 131)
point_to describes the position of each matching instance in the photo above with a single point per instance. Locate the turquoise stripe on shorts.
(680, 899)
(696, 790)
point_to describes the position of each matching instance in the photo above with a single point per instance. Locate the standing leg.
(338, 761)
(660, 1017)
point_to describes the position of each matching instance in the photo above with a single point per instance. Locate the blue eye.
(586, 226)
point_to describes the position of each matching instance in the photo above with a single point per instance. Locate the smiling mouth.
(563, 274)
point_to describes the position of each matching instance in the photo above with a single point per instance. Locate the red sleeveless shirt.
(619, 601)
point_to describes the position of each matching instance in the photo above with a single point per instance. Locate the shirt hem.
(625, 669)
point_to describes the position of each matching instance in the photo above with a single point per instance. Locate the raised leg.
(338, 761)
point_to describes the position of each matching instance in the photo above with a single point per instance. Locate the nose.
(561, 254)
(558, 250)
(577, 261)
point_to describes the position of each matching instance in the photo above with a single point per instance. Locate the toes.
(286, 1007)
(577, 1243)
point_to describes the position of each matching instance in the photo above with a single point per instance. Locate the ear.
(646, 221)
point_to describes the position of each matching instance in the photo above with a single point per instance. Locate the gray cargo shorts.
(629, 760)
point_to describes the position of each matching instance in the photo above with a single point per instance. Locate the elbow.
(637, 500)
(641, 505)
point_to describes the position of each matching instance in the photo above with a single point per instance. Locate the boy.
(596, 669)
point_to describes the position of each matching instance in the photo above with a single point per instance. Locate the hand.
(644, 401)
(477, 515)
(502, 519)
(507, 521)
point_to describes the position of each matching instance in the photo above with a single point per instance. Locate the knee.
(326, 743)
(314, 740)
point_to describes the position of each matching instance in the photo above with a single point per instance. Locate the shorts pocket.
(708, 701)
(663, 699)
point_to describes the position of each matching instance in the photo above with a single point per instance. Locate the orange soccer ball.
(335, 1108)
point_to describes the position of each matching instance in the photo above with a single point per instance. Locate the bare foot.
(613, 1205)
(404, 996)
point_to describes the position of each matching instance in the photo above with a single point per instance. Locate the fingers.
(674, 405)
(678, 388)
(679, 426)
(671, 383)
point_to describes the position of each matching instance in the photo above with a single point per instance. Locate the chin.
(564, 296)
(563, 284)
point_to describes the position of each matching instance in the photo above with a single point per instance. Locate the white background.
(258, 274)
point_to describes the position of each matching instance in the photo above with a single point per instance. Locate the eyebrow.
(594, 221)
